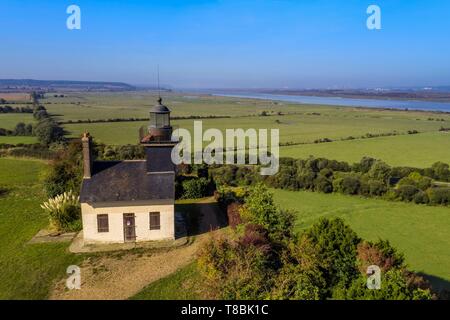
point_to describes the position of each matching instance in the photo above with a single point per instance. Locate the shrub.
(65, 172)
(417, 180)
(323, 184)
(237, 269)
(396, 285)
(260, 209)
(195, 188)
(421, 197)
(348, 184)
(233, 214)
(441, 171)
(48, 131)
(63, 211)
(380, 171)
(380, 253)
(335, 244)
(406, 192)
(377, 188)
(439, 195)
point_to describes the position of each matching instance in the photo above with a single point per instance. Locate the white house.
(131, 201)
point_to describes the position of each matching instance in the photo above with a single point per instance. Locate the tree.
(441, 171)
(336, 245)
(260, 209)
(397, 284)
(48, 131)
(65, 171)
(406, 192)
(20, 129)
(323, 184)
(380, 171)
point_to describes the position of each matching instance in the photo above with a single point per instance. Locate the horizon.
(201, 44)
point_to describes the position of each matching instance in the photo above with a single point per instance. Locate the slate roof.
(126, 181)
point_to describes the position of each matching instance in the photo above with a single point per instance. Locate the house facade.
(131, 201)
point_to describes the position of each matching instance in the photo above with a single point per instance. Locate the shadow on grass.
(438, 284)
(200, 218)
(3, 192)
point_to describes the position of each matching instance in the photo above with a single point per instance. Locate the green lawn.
(420, 232)
(27, 271)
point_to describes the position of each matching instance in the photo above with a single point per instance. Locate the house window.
(155, 221)
(102, 223)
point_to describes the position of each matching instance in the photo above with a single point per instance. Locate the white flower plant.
(63, 211)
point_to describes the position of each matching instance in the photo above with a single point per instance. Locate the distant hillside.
(10, 85)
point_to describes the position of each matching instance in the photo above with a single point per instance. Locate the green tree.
(336, 245)
(48, 131)
(260, 209)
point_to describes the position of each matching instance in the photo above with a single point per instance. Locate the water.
(337, 101)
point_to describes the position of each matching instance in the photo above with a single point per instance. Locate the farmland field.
(298, 124)
(9, 120)
(420, 232)
(419, 150)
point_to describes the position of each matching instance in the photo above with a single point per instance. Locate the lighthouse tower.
(158, 140)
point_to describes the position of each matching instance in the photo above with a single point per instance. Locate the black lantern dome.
(159, 129)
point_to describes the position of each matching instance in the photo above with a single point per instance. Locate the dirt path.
(120, 276)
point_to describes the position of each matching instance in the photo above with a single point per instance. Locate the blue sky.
(246, 43)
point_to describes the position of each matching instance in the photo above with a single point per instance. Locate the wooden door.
(129, 227)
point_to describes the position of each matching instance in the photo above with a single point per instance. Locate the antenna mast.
(159, 89)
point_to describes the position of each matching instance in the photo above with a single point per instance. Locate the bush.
(64, 212)
(65, 172)
(323, 184)
(233, 214)
(406, 192)
(195, 188)
(377, 188)
(349, 184)
(48, 131)
(335, 243)
(260, 209)
(421, 197)
(439, 195)
(380, 171)
(417, 180)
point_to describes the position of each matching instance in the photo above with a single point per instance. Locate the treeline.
(140, 119)
(21, 129)
(369, 178)
(47, 130)
(9, 109)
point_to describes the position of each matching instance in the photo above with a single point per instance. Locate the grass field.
(27, 271)
(17, 140)
(9, 120)
(419, 150)
(420, 232)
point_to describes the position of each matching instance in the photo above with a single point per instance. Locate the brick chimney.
(86, 141)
